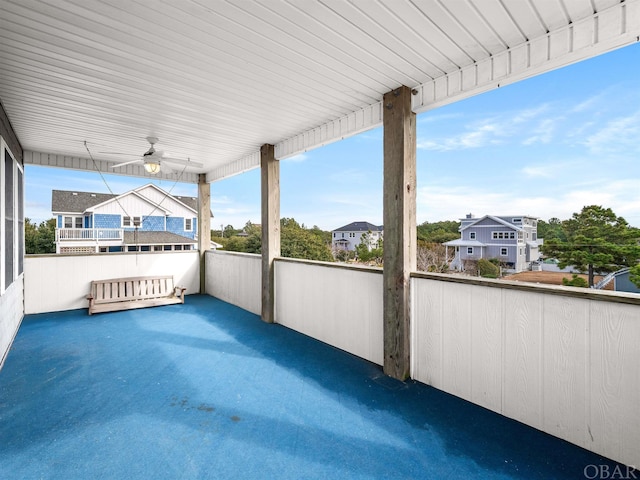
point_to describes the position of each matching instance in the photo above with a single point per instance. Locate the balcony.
(98, 234)
(207, 388)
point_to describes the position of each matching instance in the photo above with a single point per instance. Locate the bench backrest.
(133, 288)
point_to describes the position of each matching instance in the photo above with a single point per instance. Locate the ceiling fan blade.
(127, 163)
(179, 161)
(120, 154)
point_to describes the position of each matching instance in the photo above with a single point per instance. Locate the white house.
(144, 219)
(349, 236)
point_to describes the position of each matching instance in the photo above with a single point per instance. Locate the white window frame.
(190, 226)
(504, 251)
(18, 235)
(472, 235)
(74, 219)
(132, 221)
(469, 250)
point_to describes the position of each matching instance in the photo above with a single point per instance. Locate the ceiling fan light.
(152, 167)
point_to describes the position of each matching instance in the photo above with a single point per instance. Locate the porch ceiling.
(216, 80)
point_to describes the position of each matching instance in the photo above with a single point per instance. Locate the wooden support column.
(399, 216)
(204, 225)
(270, 199)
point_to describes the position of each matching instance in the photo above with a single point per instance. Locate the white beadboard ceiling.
(216, 79)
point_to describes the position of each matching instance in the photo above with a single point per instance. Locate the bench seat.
(116, 294)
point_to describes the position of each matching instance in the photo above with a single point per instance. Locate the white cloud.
(619, 134)
(542, 171)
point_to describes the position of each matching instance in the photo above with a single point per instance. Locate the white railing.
(235, 278)
(88, 234)
(61, 282)
(337, 304)
(560, 359)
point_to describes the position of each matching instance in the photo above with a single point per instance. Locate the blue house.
(144, 219)
(511, 239)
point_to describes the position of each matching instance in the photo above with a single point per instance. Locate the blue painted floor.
(206, 390)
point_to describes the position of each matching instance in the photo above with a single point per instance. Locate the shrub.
(487, 269)
(576, 281)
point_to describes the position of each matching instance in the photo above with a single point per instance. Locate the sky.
(544, 147)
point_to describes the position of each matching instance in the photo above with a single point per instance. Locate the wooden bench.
(136, 292)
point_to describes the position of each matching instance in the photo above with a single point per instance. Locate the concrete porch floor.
(207, 390)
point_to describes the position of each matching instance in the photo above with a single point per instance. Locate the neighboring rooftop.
(71, 201)
(142, 237)
(360, 227)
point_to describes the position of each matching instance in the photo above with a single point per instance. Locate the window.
(127, 222)
(516, 220)
(472, 235)
(188, 224)
(534, 236)
(503, 235)
(469, 250)
(504, 251)
(73, 222)
(11, 219)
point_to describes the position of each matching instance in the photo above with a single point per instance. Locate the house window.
(178, 247)
(516, 220)
(469, 250)
(504, 251)
(334, 234)
(131, 222)
(73, 222)
(472, 235)
(188, 224)
(11, 220)
(520, 237)
(534, 236)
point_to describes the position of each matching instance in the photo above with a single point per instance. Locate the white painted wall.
(235, 278)
(11, 313)
(62, 282)
(336, 304)
(557, 360)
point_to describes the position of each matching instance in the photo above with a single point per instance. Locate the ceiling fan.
(152, 159)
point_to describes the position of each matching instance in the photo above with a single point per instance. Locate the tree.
(595, 240)
(438, 232)
(299, 242)
(40, 239)
(431, 257)
(551, 229)
(369, 251)
(634, 275)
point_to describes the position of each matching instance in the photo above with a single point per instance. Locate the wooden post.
(270, 199)
(399, 215)
(204, 226)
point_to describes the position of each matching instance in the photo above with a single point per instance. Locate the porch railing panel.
(338, 305)
(235, 278)
(555, 358)
(61, 282)
(88, 234)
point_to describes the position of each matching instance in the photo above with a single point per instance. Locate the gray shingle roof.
(76, 202)
(155, 238)
(68, 201)
(360, 227)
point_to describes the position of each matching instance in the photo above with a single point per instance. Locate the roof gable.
(127, 194)
(498, 220)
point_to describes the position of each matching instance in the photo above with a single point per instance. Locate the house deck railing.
(89, 234)
(561, 359)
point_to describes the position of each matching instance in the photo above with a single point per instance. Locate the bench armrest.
(179, 292)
